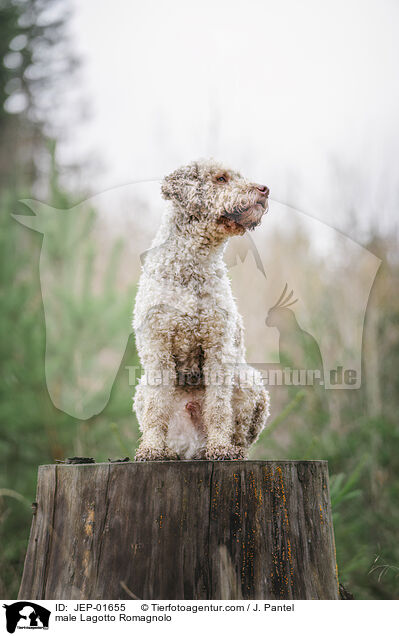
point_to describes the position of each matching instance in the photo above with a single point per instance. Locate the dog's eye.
(221, 179)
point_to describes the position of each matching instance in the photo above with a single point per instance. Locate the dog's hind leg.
(250, 410)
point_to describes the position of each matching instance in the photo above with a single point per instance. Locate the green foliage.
(34, 63)
(33, 431)
(357, 432)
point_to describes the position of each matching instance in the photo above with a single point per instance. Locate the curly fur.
(197, 398)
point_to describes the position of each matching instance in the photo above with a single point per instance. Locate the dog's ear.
(175, 186)
(167, 188)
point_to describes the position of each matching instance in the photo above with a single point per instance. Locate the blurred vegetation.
(32, 430)
(356, 431)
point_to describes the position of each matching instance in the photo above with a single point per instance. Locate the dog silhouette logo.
(26, 615)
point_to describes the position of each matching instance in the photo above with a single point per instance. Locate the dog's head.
(210, 198)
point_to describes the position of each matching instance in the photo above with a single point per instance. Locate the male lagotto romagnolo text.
(197, 398)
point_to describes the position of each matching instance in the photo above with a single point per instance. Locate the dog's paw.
(150, 454)
(220, 453)
(170, 454)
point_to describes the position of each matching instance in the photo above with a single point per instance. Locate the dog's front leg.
(157, 403)
(218, 412)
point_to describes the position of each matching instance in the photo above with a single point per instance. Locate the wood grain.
(182, 530)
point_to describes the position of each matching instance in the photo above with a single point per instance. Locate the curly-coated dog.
(197, 398)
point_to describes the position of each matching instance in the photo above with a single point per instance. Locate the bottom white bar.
(99, 617)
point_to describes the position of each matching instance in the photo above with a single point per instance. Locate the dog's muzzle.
(249, 212)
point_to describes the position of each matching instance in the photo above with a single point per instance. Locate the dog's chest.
(204, 321)
(209, 329)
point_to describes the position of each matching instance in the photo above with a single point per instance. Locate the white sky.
(302, 96)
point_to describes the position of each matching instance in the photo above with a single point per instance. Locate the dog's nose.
(262, 188)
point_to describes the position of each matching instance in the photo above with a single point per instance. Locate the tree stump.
(182, 530)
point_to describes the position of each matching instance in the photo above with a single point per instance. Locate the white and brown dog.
(197, 398)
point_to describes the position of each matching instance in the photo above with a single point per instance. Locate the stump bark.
(182, 530)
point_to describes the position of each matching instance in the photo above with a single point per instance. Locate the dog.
(197, 398)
